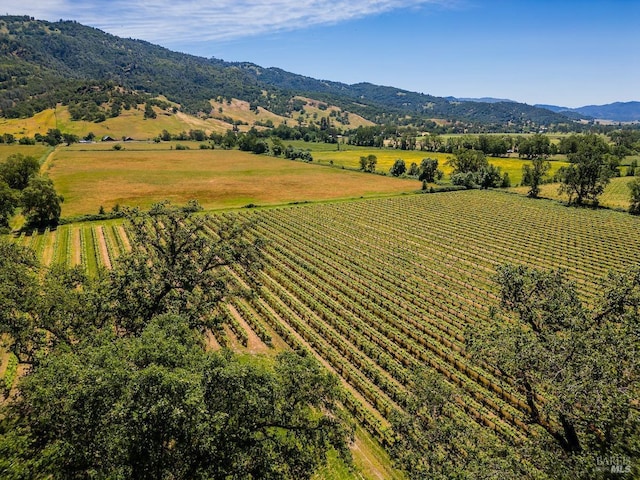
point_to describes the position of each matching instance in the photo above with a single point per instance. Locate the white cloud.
(171, 21)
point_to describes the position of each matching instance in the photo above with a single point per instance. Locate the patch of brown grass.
(216, 178)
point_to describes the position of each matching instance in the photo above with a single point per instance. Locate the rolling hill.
(46, 63)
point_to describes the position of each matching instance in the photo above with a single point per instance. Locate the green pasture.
(616, 194)
(38, 151)
(349, 157)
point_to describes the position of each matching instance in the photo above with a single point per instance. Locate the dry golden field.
(89, 176)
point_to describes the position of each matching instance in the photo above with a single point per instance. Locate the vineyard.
(376, 287)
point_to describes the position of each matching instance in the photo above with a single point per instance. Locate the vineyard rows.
(375, 288)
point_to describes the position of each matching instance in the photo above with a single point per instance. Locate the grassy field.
(90, 176)
(349, 156)
(37, 151)
(616, 194)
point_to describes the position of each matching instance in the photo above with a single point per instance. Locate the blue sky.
(563, 52)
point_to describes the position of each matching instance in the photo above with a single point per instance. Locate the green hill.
(46, 63)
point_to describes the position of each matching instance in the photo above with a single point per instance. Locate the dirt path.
(48, 160)
(102, 247)
(369, 461)
(123, 236)
(233, 342)
(76, 247)
(278, 344)
(49, 248)
(254, 344)
(211, 342)
(4, 360)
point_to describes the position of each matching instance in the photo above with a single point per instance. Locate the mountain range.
(45, 63)
(615, 112)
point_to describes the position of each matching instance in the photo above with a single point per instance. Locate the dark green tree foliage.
(53, 137)
(277, 147)
(495, 146)
(17, 169)
(41, 312)
(368, 163)
(121, 386)
(590, 171)
(198, 135)
(181, 268)
(19, 280)
(297, 154)
(577, 366)
(533, 175)
(250, 142)
(627, 139)
(467, 180)
(9, 200)
(506, 181)
(428, 170)
(41, 204)
(367, 136)
(489, 177)
(158, 406)
(537, 145)
(634, 201)
(398, 168)
(149, 112)
(467, 160)
(434, 439)
(27, 141)
(7, 138)
(70, 138)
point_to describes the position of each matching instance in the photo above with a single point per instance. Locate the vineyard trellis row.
(374, 288)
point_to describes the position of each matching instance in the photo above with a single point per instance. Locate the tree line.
(21, 185)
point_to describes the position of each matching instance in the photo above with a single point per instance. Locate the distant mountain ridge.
(44, 63)
(486, 100)
(615, 112)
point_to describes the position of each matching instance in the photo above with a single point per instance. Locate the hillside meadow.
(94, 175)
(131, 123)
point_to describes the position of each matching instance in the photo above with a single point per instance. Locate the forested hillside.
(44, 63)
